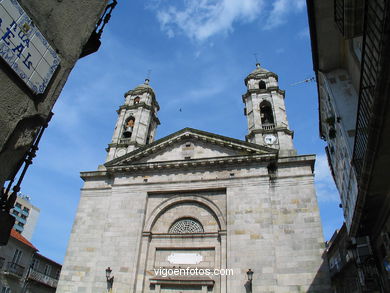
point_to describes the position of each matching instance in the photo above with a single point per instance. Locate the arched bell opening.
(136, 100)
(266, 113)
(129, 125)
(262, 85)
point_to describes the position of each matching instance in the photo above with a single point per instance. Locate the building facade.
(350, 44)
(43, 275)
(346, 257)
(24, 270)
(198, 201)
(15, 260)
(26, 215)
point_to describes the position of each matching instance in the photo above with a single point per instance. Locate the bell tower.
(266, 112)
(137, 122)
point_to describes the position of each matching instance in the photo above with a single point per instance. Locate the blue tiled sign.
(24, 48)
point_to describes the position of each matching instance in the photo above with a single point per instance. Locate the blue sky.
(199, 53)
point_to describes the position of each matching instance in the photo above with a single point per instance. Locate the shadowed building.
(40, 43)
(351, 57)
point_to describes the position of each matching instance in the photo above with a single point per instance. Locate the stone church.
(199, 200)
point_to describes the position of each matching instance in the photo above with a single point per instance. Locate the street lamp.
(249, 273)
(110, 280)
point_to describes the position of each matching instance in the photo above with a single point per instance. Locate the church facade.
(194, 211)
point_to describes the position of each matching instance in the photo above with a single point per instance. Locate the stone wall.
(270, 224)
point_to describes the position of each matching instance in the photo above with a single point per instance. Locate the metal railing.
(339, 14)
(43, 278)
(14, 268)
(94, 42)
(125, 140)
(268, 126)
(374, 36)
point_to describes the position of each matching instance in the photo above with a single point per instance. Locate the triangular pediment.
(191, 144)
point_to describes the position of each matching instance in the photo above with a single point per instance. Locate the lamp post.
(249, 273)
(110, 280)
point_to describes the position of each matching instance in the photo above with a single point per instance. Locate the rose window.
(186, 225)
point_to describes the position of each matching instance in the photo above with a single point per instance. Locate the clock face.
(120, 153)
(269, 139)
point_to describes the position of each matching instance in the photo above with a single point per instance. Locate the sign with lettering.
(24, 48)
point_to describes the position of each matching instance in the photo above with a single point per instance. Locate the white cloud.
(326, 190)
(279, 11)
(203, 18)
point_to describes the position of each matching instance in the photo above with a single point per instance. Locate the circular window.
(186, 225)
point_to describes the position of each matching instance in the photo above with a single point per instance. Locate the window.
(27, 210)
(14, 212)
(18, 205)
(5, 290)
(35, 264)
(20, 224)
(23, 216)
(17, 256)
(262, 85)
(266, 114)
(136, 100)
(357, 47)
(186, 225)
(57, 276)
(47, 270)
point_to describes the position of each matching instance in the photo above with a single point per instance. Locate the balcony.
(14, 269)
(125, 140)
(348, 15)
(16, 208)
(268, 126)
(25, 212)
(371, 66)
(42, 278)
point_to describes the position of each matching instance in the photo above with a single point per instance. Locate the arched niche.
(180, 205)
(262, 85)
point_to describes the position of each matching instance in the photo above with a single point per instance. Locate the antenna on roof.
(257, 60)
(149, 74)
(309, 79)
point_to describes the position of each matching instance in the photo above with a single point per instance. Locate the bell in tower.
(129, 126)
(266, 112)
(137, 121)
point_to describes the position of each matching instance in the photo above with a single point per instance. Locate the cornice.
(140, 91)
(202, 163)
(260, 75)
(276, 129)
(218, 161)
(188, 133)
(139, 105)
(263, 91)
